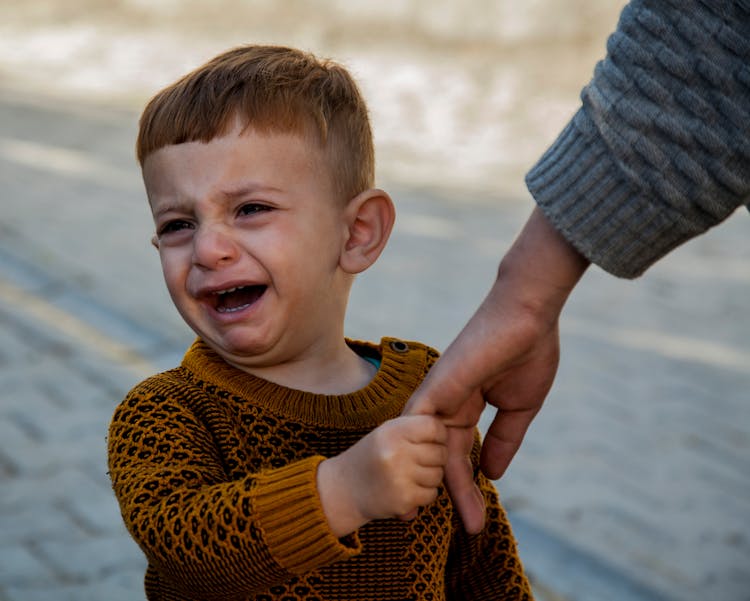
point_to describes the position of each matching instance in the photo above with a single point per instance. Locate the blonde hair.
(271, 89)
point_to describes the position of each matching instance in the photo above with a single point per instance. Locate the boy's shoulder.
(161, 381)
(396, 347)
(156, 391)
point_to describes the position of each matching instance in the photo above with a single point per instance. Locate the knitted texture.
(660, 150)
(215, 473)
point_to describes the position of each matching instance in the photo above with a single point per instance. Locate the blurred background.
(634, 481)
(462, 94)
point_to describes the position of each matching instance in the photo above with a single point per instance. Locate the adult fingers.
(459, 479)
(502, 440)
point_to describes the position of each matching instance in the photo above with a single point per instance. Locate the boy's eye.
(174, 226)
(252, 208)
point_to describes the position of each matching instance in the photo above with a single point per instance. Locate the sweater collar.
(401, 371)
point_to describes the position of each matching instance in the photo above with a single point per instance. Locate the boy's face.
(249, 234)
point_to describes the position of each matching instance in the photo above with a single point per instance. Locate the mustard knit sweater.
(215, 473)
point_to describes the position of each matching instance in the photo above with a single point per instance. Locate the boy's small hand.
(391, 472)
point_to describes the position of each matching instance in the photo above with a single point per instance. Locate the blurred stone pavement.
(634, 481)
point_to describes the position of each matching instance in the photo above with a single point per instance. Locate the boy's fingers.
(426, 428)
(430, 455)
(409, 516)
(429, 477)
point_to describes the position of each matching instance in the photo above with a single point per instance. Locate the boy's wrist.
(336, 498)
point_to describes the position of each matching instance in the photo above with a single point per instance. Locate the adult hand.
(506, 356)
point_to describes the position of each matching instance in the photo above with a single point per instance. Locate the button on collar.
(399, 346)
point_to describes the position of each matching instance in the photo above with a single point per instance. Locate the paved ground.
(633, 483)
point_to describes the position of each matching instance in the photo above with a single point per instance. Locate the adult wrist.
(540, 269)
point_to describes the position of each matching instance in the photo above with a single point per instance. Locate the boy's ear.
(369, 220)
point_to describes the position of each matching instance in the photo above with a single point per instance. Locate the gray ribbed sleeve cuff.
(588, 199)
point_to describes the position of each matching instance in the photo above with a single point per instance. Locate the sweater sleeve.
(659, 151)
(206, 534)
(486, 566)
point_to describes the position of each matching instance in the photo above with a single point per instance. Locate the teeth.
(229, 290)
(232, 310)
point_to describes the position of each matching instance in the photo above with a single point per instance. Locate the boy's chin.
(243, 352)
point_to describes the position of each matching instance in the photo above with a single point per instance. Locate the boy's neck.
(340, 371)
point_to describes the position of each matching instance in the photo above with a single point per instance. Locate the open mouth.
(237, 299)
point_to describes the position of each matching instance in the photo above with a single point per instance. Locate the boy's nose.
(213, 246)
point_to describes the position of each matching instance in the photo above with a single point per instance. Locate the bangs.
(203, 108)
(270, 89)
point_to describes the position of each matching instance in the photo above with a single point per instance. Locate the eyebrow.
(246, 189)
(172, 206)
(238, 191)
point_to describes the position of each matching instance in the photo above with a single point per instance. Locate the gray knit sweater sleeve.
(659, 152)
